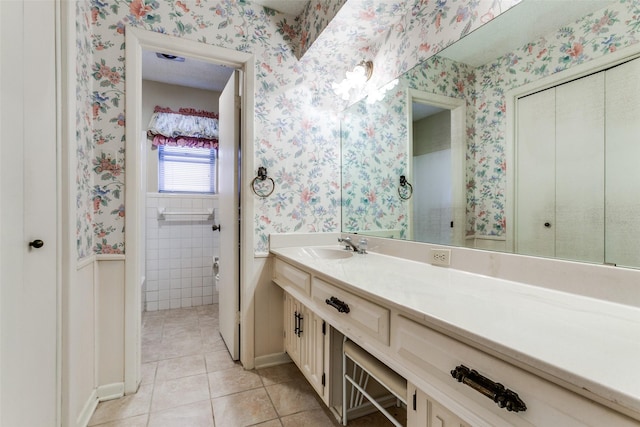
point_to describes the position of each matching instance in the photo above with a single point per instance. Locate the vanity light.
(355, 79)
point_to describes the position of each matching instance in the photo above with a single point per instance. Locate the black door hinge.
(323, 379)
(324, 328)
(415, 400)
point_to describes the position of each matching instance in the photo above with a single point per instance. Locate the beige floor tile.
(181, 391)
(376, 419)
(152, 352)
(177, 347)
(148, 372)
(214, 345)
(179, 367)
(314, 418)
(271, 423)
(234, 380)
(292, 396)
(139, 421)
(243, 409)
(197, 414)
(219, 360)
(125, 407)
(280, 374)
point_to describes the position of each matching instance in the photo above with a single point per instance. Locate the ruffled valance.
(186, 127)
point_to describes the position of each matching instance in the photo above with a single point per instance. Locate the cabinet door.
(580, 169)
(535, 169)
(425, 412)
(312, 349)
(292, 310)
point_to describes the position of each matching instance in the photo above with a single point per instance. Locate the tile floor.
(189, 380)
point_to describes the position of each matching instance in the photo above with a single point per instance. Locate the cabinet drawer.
(432, 356)
(286, 275)
(363, 316)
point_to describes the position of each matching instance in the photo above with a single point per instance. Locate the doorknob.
(36, 244)
(216, 227)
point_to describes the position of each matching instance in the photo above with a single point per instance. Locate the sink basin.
(327, 253)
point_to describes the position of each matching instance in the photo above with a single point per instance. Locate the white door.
(28, 212)
(228, 169)
(580, 169)
(536, 175)
(622, 243)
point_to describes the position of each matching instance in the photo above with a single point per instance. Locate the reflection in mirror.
(379, 140)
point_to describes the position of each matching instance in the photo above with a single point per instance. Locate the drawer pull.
(504, 397)
(341, 306)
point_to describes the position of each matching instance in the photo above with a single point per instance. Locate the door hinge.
(237, 317)
(324, 328)
(415, 399)
(323, 379)
(238, 102)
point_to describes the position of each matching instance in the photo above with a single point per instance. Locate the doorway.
(137, 41)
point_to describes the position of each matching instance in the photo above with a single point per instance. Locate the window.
(186, 169)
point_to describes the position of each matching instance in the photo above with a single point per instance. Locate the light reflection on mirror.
(377, 139)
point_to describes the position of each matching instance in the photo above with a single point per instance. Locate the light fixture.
(355, 79)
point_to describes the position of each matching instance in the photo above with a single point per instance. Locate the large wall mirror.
(503, 142)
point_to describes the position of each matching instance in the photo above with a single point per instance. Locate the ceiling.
(190, 73)
(200, 74)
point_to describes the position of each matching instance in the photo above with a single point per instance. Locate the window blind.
(186, 170)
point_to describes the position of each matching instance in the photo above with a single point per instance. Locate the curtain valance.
(186, 127)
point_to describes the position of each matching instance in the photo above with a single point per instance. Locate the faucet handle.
(363, 244)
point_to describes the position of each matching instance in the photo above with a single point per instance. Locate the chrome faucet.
(348, 244)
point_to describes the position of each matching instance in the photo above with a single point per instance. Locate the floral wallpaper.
(374, 155)
(375, 143)
(296, 112)
(84, 137)
(593, 36)
(311, 22)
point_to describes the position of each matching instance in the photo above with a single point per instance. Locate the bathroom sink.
(327, 253)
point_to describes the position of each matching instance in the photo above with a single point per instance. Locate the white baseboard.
(271, 360)
(87, 410)
(110, 391)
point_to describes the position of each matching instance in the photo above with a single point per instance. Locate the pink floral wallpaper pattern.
(593, 36)
(296, 115)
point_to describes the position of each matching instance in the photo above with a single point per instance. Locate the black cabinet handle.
(297, 330)
(36, 244)
(341, 306)
(502, 396)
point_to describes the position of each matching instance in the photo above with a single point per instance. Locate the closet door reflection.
(577, 172)
(622, 245)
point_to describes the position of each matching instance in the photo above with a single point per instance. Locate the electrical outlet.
(441, 257)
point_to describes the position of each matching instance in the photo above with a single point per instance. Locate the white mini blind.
(186, 170)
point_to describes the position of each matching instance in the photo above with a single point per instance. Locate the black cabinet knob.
(36, 244)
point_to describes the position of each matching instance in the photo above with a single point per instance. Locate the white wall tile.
(179, 254)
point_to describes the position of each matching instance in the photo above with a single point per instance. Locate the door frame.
(137, 40)
(511, 107)
(458, 108)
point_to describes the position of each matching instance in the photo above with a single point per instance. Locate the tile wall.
(179, 252)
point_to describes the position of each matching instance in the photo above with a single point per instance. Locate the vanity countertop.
(588, 343)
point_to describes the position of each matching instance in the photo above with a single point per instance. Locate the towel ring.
(262, 176)
(404, 184)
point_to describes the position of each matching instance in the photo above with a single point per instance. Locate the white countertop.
(589, 343)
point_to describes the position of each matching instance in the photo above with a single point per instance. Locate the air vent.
(170, 57)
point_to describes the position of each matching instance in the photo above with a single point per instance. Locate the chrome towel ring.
(408, 188)
(257, 184)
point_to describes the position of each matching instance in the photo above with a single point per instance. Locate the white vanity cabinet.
(454, 378)
(424, 411)
(305, 333)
